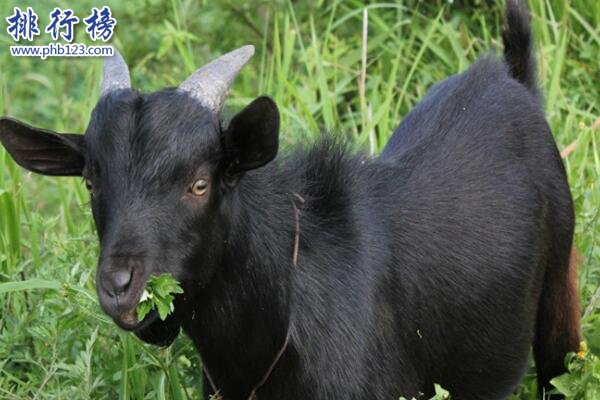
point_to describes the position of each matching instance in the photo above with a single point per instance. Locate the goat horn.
(116, 73)
(209, 84)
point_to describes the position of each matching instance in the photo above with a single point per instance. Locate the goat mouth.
(129, 320)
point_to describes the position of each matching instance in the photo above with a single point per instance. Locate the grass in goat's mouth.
(159, 294)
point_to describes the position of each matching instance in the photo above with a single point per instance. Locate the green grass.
(326, 72)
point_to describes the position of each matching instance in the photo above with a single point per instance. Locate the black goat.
(326, 274)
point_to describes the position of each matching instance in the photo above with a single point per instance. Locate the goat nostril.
(121, 280)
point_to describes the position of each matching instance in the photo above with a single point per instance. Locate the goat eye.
(199, 187)
(88, 185)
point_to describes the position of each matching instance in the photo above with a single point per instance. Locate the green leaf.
(441, 393)
(28, 285)
(163, 310)
(143, 309)
(158, 295)
(564, 384)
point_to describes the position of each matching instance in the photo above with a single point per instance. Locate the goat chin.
(157, 332)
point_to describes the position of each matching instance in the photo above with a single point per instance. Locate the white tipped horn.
(209, 84)
(116, 73)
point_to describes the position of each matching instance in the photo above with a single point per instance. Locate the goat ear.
(42, 151)
(252, 138)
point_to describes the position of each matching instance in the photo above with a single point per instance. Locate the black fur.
(518, 44)
(424, 265)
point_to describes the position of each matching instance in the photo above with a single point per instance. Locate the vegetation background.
(350, 66)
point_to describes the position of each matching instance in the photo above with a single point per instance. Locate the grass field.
(350, 67)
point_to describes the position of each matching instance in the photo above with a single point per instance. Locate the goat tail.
(558, 330)
(518, 44)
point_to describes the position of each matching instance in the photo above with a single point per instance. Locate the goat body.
(440, 261)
